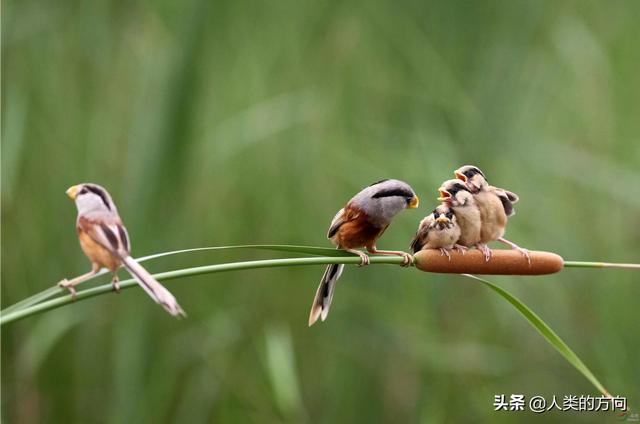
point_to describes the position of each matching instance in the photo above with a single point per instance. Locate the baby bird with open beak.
(360, 223)
(438, 230)
(456, 195)
(495, 205)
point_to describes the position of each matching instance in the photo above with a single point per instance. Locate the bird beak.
(460, 176)
(414, 203)
(442, 219)
(72, 192)
(444, 194)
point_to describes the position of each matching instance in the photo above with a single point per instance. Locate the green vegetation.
(234, 123)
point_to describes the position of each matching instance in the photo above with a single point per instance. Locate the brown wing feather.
(108, 233)
(344, 215)
(419, 238)
(508, 199)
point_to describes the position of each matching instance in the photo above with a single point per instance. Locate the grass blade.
(547, 333)
(6, 318)
(310, 250)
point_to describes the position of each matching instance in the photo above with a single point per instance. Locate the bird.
(438, 230)
(360, 223)
(496, 206)
(105, 241)
(457, 196)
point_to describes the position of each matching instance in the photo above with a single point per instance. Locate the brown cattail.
(503, 262)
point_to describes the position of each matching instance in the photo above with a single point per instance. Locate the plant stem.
(579, 264)
(311, 250)
(546, 332)
(14, 315)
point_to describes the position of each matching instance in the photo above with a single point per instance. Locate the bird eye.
(449, 215)
(83, 191)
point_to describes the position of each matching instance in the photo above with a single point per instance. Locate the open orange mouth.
(444, 194)
(460, 176)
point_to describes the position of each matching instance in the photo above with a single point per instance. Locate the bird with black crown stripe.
(104, 240)
(495, 205)
(360, 224)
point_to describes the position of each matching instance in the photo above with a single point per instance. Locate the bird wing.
(421, 235)
(107, 232)
(507, 198)
(343, 216)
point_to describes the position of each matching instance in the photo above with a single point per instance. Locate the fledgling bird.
(360, 224)
(495, 204)
(104, 240)
(457, 196)
(438, 230)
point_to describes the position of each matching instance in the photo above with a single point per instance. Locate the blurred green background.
(218, 123)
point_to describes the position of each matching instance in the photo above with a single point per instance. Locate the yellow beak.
(442, 219)
(414, 203)
(460, 176)
(444, 194)
(72, 192)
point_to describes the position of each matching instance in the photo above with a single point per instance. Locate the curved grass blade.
(310, 250)
(546, 332)
(207, 269)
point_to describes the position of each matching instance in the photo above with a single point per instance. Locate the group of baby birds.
(471, 214)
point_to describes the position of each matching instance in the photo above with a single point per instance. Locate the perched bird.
(438, 230)
(495, 204)
(457, 196)
(360, 224)
(105, 241)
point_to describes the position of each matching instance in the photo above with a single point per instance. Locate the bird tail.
(324, 294)
(154, 289)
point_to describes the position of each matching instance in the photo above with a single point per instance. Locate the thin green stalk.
(55, 290)
(546, 332)
(335, 257)
(579, 264)
(8, 317)
(311, 250)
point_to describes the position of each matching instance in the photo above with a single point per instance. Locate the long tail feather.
(154, 289)
(324, 294)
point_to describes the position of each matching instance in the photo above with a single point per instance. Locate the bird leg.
(445, 252)
(408, 259)
(364, 258)
(115, 282)
(460, 248)
(70, 284)
(514, 246)
(485, 251)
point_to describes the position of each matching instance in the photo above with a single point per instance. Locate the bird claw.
(364, 259)
(66, 285)
(460, 248)
(525, 253)
(408, 259)
(485, 251)
(116, 285)
(444, 252)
